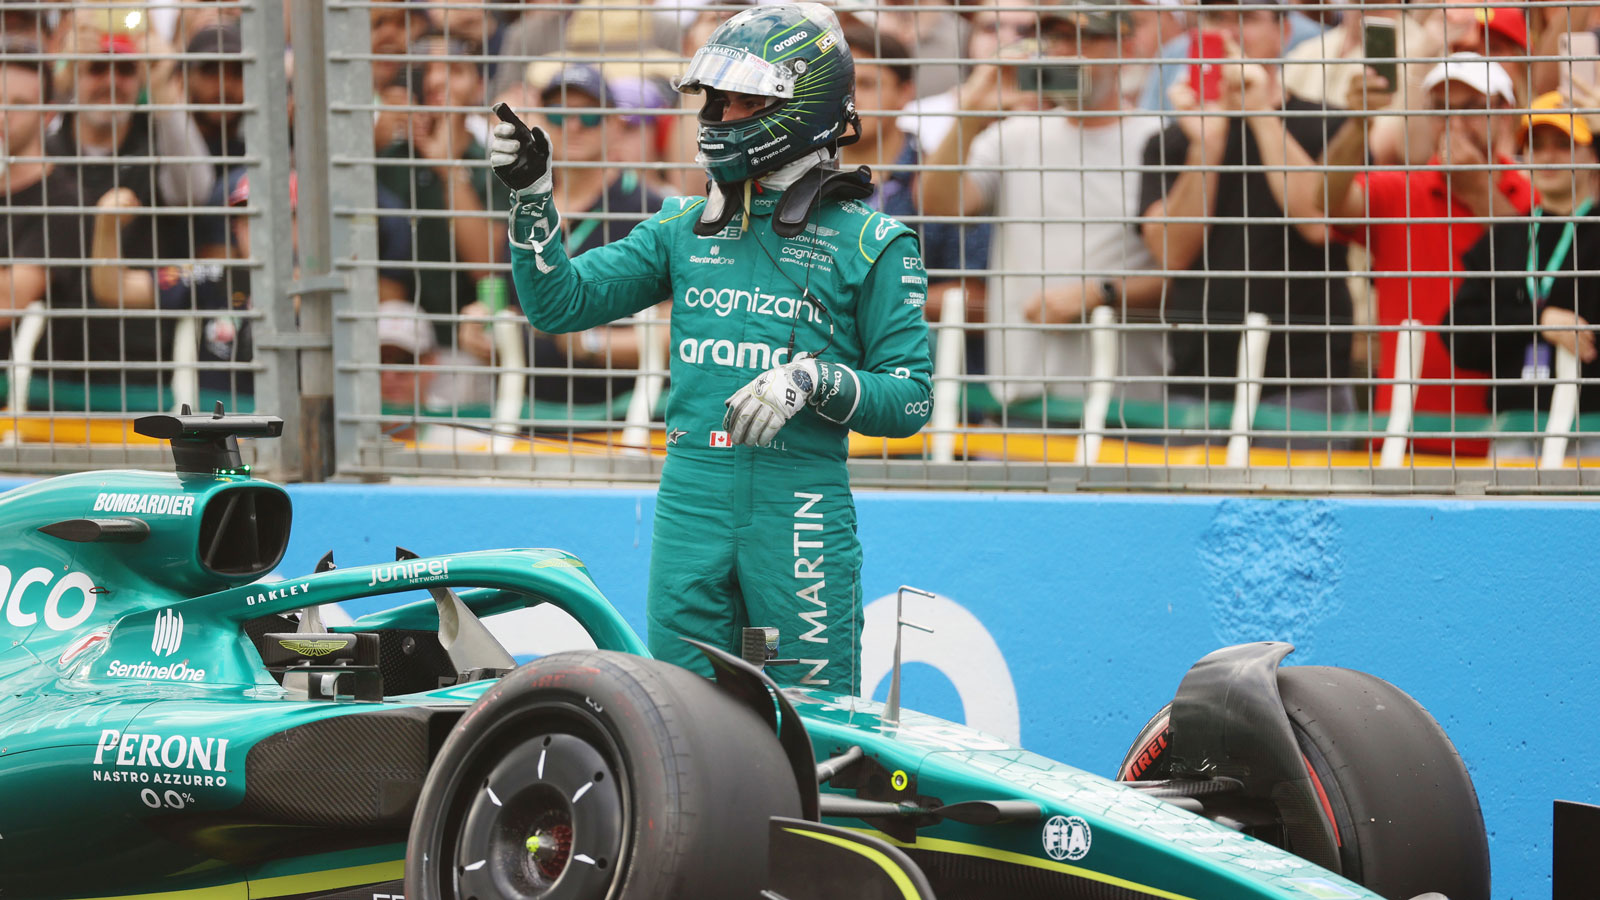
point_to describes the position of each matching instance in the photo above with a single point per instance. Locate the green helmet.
(795, 54)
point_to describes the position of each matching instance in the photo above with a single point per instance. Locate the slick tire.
(1401, 801)
(1403, 804)
(596, 775)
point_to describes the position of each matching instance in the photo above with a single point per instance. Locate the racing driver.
(796, 317)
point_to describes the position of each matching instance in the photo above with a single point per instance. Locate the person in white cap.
(405, 344)
(1427, 210)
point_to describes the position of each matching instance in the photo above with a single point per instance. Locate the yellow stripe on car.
(332, 879)
(284, 885)
(897, 874)
(939, 845)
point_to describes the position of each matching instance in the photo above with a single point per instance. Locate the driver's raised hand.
(520, 156)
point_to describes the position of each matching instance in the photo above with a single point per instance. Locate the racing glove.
(757, 410)
(520, 158)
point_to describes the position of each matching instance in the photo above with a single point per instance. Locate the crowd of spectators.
(1183, 164)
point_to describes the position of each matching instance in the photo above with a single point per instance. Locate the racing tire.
(597, 775)
(1402, 802)
(1403, 807)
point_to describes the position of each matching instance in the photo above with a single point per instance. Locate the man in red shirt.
(1406, 216)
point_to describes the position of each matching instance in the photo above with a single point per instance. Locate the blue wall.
(1483, 611)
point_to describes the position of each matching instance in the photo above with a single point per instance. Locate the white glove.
(757, 410)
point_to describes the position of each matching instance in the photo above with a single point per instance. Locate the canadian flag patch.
(721, 439)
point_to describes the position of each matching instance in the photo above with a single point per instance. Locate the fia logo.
(169, 633)
(1066, 837)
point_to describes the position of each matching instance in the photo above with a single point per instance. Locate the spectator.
(1214, 199)
(407, 352)
(104, 126)
(1158, 84)
(473, 24)
(991, 25)
(394, 28)
(1501, 33)
(1524, 278)
(643, 137)
(427, 173)
(107, 137)
(1549, 23)
(930, 34)
(1471, 90)
(883, 87)
(217, 82)
(612, 201)
(536, 30)
(1152, 23)
(1028, 167)
(1323, 67)
(29, 233)
(210, 286)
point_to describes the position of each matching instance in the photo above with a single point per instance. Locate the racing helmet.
(793, 53)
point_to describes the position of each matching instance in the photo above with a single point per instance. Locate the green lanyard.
(630, 181)
(1538, 292)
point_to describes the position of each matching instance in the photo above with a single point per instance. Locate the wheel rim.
(544, 823)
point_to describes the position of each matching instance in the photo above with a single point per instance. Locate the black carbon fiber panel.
(412, 661)
(975, 878)
(362, 770)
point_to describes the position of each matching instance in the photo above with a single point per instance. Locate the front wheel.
(1402, 806)
(598, 775)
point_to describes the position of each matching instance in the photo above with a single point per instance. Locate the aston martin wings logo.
(313, 648)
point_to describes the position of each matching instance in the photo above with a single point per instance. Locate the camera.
(1063, 81)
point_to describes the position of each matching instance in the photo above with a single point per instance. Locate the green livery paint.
(147, 752)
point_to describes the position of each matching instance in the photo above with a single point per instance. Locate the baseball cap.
(1476, 71)
(579, 78)
(1505, 21)
(639, 93)
(118, 43)
(1091, 18)
(1552, 109)
(218, 37)
(400, 326)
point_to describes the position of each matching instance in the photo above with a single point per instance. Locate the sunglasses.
(101, 66)
(587, 120)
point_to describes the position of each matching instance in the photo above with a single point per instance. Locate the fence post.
(334, 146)
(266, 134)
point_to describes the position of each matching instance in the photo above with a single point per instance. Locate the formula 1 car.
(171, 726)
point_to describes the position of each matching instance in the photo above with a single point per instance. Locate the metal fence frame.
(316, 331)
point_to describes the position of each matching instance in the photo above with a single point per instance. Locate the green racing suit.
(758, 536)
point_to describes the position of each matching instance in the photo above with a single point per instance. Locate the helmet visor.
(732, 69)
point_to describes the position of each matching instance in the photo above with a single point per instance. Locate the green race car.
(173, 727)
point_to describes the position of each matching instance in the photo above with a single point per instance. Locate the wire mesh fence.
(1169, 246)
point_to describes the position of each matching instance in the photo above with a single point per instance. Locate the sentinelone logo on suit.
(959, 646)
